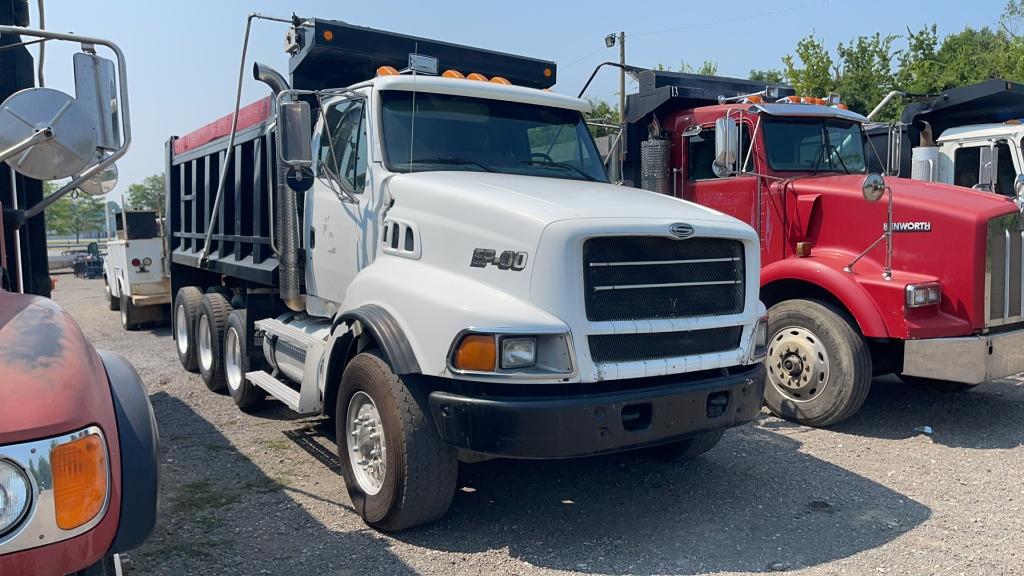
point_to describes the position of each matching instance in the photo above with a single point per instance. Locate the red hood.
(51, 379)
(928, 196)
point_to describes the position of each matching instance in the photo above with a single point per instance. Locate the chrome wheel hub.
(181, 329)
(367, 451)
(233, 360)
(798, 364)
(205, 344)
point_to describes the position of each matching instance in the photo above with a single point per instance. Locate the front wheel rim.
(798, 364)
(181, 330)
(205, 340)
(233, 359)
(365, 443)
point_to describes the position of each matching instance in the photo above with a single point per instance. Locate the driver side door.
(339, 229)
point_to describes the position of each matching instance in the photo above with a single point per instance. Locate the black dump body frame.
(142, 224)
(329, 54)
(985, 102)
(661, 93)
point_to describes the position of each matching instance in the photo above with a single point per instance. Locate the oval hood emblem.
(680, 230)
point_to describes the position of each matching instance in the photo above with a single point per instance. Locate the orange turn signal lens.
(547, 72)
(500, 80)
(79, 480)
(387, 71)
(476, 352)
(453, 74)
(328, 35)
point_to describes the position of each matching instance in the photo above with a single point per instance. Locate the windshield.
(464, 133)
(813, 145)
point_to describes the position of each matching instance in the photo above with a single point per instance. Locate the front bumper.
(580, 425)
(970, 359)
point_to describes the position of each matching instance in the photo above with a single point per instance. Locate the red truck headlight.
(926, 294)
(15, 495)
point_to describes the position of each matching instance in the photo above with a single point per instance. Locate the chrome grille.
(652, 277)
(1004, 271)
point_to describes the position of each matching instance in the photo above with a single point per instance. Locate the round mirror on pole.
(70, 144)
(873, 187)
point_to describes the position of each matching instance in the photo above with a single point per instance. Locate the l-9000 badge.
(507, 260)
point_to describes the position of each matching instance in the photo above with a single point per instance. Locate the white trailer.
(135, 270)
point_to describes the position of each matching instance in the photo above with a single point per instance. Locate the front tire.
(128, 321)
(398, 471)
(213, 319)
(819, 366)
(237, 362)
(184, 318)
(943, 386)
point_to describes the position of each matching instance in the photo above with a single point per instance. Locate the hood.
(548, 200)
(52, 380)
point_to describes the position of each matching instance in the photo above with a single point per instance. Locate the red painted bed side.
(248, 116)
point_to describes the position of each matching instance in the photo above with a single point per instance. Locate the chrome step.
(294, 335)
(277, 389)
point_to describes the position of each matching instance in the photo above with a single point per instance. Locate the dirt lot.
(262, 495)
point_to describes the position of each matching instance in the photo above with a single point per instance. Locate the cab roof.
(981, 131)
(478, 89)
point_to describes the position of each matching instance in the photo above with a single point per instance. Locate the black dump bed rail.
(325, 54)
(334, 54)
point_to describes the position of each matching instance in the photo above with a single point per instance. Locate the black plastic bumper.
(579, 425)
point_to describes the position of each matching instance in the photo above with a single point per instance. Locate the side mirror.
(987, 169)
(96, 88)
(727, 145)
(873, 187)
(101, 182)
(295, 134)
(1018, 186)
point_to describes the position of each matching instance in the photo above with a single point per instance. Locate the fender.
(825, 271)
(140, 450)
(386, 331)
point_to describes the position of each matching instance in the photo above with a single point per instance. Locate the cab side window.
(1006, 173)
(700, 154)
(343, 144)
(967, 166)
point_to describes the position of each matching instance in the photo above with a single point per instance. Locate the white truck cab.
(982, 156)
(135, 270)
(440, 263)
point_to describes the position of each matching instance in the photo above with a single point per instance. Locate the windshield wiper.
(565, 165)
(451, 162)
(833, 150)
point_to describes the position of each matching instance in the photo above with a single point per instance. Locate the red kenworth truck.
(79, 472)
(935, 298)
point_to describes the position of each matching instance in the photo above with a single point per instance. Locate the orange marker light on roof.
(500, 80)
(328, 35)
(387, 71)
(477, 77)
(453, 74)
(754, 99)
(547, 72)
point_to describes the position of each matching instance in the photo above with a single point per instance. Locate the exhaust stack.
(286, 223)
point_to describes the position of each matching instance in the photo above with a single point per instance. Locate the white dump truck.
(135, 270)
(436, 259)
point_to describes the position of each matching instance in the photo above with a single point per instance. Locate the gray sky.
(183, 55)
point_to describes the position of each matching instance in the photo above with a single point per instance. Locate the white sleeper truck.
(417, 239)
(134, 270)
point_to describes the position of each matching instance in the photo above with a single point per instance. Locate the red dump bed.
(248, 116)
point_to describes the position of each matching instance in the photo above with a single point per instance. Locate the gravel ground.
(261, 494)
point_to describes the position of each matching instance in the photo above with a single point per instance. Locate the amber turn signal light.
(476, 76)
(79, 480)
(476, 352)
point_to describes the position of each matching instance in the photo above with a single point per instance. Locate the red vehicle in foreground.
(862, 275)
(78, 439)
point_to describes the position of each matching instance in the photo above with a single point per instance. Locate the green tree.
(76, 213)
(148, 194)
(707, 68)
(603, 113)
(865, 71)
(770, 76)
(810, 70)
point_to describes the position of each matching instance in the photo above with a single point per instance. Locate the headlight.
(15, 496)
(518, 352)
(926, 294)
